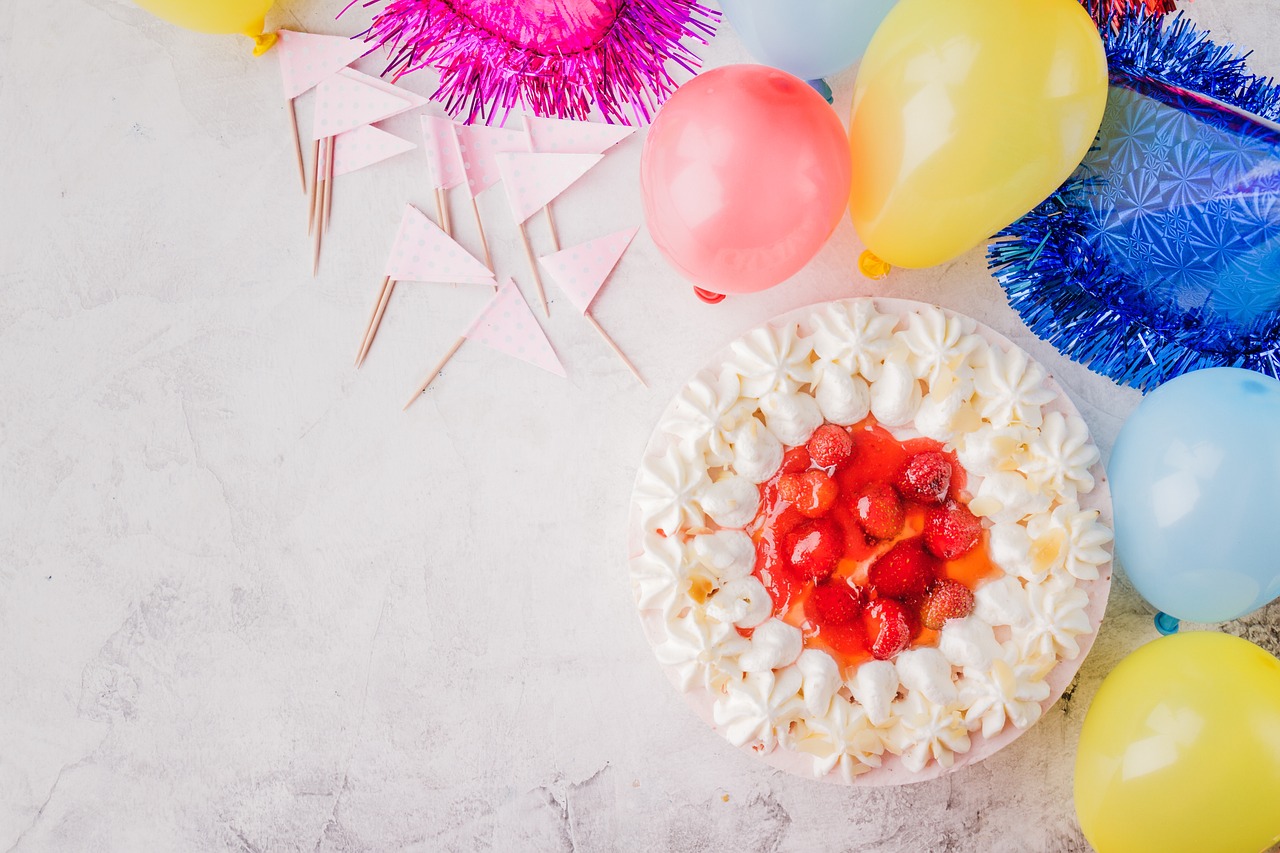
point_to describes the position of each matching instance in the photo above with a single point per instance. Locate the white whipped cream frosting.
(731, 501)
(791, 417)
(753, 709)
(923, 373)
(757, 453)
(842, 398)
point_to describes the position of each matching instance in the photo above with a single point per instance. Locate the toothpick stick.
(315, 187)
(435, 371)
(297, 145)
(442, 206)
(378, 302)
(377, 320)
(533, 268)
(484, 241)
(613, 346)
(551, 223)
(328, 179)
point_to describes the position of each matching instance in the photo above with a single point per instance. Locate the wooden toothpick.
(551, 224)
(375, 318)
(435, 371)
(315, 187)
(297, 145)
(484, 241)
(533, 268)
(613, 346)
(328, 180)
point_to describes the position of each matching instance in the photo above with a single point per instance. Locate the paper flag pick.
(582, 270)
(365, 146)
(413, 99)
(532, 180)
(560, 136)
(422, 252)
(306, 59)
(507, 324)
(344, 104)
(479, 145)
(444, 162)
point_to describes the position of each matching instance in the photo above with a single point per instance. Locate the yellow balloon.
(1180, 751)
(967, 114)
(246, 17)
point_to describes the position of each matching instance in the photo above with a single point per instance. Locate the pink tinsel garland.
(484, 73)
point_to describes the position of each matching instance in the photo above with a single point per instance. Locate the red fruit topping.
(833, 603)
(794, 461)
(830, 446)
(812, 493)
(947, 599)
(887, 626)
(879, 509)
(925, 477)
(906, 569)
(951, 531)
(814, 548)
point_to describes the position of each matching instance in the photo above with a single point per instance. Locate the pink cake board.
(892, 771)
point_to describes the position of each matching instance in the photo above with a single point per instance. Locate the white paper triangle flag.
(582, 270)
(532, 180)
(422, 252)
(365, 146)
(343, 104)
(507, 324)
(413, 99)
(444, 163)
(562, 136)
(306, 59)
(479, 145)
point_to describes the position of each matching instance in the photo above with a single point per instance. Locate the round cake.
(870, 541)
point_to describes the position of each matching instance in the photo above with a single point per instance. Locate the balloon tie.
(1166, 624)
(872, 266)
(708, 297)
(263, 42)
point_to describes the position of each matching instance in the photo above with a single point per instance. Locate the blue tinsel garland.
(1067, 289)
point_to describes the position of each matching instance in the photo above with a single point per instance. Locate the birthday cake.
(870, 545)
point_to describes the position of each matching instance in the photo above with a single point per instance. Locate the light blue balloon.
(1195, 481)
(808, 38)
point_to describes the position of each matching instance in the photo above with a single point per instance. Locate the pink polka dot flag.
(344, 103)
(532, 180)
(444, 161)
(478, 147)
(422, 252)
(365, 146)
(507, 324)
(562, 136)
(306, 59)
(415, 100)
(582, 270)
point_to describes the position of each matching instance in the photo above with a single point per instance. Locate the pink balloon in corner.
(744, 176)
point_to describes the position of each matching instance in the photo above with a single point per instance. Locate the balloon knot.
(708, 297)
(263, 42)
(1166, 624)
(870, 265)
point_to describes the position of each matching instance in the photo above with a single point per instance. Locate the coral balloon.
(1180, 750)
(744, 177)
(1193, 478)
(966, 114)
(217, 16)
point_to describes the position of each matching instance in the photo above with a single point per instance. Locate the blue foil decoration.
(1161, 253)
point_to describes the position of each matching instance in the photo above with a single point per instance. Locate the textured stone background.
(246, 603)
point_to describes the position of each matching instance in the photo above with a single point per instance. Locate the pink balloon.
(745, 174)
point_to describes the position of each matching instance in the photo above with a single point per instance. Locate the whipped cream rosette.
(750, 649)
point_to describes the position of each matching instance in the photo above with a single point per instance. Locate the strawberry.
(834, 602)
(830, 446)
(925, 477)
(906, 569)
(887, 626)
(951, 531)
(812, 549)
(947, 599)
(879, 509)
(811, 492)
(794, 461)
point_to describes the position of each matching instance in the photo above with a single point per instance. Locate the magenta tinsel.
(560, 57)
